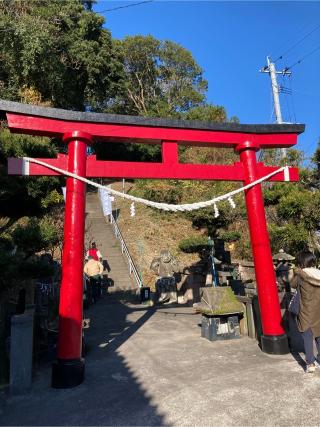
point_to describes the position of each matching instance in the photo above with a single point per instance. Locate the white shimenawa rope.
(164, 206)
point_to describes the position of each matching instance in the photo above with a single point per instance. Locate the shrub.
(166, 191)
(205, 218)
(290, 237)
(37, 234)
(230, 236)
(193, 244)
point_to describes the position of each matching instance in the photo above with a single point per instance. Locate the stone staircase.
(98, 230)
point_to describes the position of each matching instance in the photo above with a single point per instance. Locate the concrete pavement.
(149, 366)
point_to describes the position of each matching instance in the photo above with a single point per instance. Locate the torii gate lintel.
(80, 129)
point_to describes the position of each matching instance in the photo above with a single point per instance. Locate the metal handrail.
(125, 251)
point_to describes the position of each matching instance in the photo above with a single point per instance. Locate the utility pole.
(271, 70)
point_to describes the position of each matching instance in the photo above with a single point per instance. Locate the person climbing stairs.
(100, 231)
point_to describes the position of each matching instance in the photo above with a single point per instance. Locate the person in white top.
(93, 270)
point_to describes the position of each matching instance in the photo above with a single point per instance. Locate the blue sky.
(230, 41)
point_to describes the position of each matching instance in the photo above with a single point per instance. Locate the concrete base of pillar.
(275, 344)
(67, 373)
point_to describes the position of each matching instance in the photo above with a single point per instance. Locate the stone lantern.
(283, 268)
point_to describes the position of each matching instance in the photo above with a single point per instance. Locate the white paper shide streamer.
(64, 192)
(132, 209)
(232, 203)
(216, 210)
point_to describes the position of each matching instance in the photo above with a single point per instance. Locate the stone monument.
(165, 267)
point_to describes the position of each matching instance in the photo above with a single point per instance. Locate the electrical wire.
(292, 100)
(286, 91)
(7, 29)
(305, 93)
(124, 7)
(297, 43)
(303, 58)
(261, 152)
(290, 39)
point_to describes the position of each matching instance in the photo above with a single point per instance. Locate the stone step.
(121, 274)
(121, 281)
(121, 278)
(121, 267)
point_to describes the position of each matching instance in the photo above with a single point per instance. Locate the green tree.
(295, 213)
(207, 113)
(290, 237)
(35, 235)
(52, 53)
(57, 52)
(20, 196)
(162, 78)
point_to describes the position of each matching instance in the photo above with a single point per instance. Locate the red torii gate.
(79, 129)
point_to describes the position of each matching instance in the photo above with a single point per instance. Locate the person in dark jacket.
(307, 280)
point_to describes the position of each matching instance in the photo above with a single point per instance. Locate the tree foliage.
(57, 53)
(20, 196)
(290, 237)
(162, 78)
(296, 209)
(35, 235)
(193, 244)
(207, 113)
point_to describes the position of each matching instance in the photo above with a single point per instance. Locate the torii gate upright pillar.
(68, 371)
(274, 339)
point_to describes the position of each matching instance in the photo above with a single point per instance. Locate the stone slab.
(21, 352)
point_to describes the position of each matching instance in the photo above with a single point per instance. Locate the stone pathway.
(148, 366)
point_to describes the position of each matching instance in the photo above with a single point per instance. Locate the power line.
(289, 40)
(124, 7)
(303, 58)
(286, 91)
(292, 101)
(7, 29)
(297, 43)
(305, 93)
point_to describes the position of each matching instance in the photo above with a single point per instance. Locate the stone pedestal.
(224, 327)
(249, 315)
(190, 288)
(218, 301)
(167, 290)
